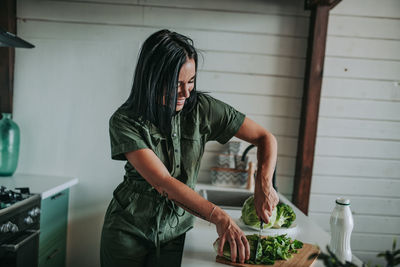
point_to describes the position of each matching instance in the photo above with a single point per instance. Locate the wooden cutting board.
(299, 259)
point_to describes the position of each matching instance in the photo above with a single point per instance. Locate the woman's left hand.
(265, 200)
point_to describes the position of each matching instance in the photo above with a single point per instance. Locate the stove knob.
(31, 213)
(14, 228)
(34, 212)
(5, 228)
(9, 226)
(37, 211)
(28, 220)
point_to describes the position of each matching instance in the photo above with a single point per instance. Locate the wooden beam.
(7, 55)
(309, 4)
(333, 3)
(310, 105)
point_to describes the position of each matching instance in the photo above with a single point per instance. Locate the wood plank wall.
(253, 55)
(358, 144)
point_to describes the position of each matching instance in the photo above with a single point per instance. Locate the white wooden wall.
(253, 53)
(81, 70)
(358, 142)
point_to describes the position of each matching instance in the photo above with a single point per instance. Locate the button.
(177, 166)
(176, 150)
(174, 135)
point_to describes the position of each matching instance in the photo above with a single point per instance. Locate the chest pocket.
(160, 148)
(191, 152)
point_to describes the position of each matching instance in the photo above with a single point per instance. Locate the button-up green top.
(146, 213)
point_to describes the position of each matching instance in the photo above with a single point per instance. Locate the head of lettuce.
(282, 215)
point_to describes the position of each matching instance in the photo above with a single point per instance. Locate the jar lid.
(343, 201)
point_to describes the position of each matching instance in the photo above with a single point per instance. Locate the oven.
(19, 228)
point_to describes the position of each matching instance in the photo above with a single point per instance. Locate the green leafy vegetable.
(330, 260)
(282, 216)
(272, 248)
(392, 257)
(285, 216)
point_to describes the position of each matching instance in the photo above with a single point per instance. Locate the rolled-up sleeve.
(224, 121)
(124, 136)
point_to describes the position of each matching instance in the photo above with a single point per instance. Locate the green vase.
(9, 145)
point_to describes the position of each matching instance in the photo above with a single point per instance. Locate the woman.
(161, 131)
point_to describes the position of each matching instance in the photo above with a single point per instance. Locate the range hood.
(10, 40)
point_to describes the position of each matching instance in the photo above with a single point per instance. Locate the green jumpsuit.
(142, 227)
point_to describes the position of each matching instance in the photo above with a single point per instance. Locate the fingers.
(270, 207)
(233, 246)
(265, 205)
(239, 245)
(246, 247)
(265, 216)
(241, 249)
(221, 245)
(271, 204)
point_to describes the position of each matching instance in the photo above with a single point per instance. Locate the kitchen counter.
(198, 250)
(45, 185)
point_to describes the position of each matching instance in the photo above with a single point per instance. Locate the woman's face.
(185, 82)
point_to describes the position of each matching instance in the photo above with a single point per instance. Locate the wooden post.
(7, 55)
(311, 97)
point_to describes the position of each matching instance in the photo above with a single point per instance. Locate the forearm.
(190, 200)
(266, 157)
(266, 150)
(155, 173)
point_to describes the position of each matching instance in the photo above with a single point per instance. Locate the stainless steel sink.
(228, 199)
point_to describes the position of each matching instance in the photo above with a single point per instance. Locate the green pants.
(120, 249)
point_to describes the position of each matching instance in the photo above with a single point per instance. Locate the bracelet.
(211, 213)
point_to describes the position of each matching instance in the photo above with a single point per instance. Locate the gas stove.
(9, 197)
(19, 227)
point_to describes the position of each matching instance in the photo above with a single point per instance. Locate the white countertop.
(45, 185)
(198, 250)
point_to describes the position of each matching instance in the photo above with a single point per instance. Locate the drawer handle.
(53, 254)
(57, 195)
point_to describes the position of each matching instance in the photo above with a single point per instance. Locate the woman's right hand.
(228, 231)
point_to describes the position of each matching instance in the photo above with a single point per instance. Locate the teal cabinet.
(53, 230)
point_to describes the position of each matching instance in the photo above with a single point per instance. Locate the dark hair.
(155, 84)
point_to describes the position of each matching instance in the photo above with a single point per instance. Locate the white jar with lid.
(342, 224)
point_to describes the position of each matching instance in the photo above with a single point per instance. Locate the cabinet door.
(54, 256)
(53, 229)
